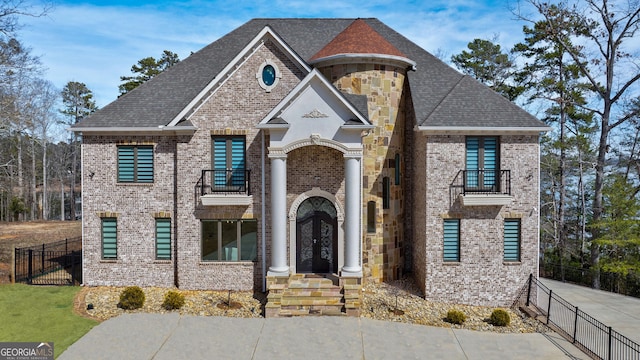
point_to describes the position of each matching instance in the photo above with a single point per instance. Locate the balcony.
(483, 187)
(225, 187)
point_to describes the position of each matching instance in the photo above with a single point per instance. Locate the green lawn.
(41, 314)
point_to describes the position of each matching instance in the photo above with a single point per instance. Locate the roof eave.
(374, 58)
(160, 130)
(473, 130)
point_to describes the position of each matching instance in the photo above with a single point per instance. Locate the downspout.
(176, 281)
(263, 225)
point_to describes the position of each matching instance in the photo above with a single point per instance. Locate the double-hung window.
(512, 240)
(229, 163)
(482, 163)
(451, 244)
(229, 240)
(135, 164)
(163, 239)
(109, 238)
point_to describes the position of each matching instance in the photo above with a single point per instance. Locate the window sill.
(512, 263)
(162, 261)
(108, 261)
(134, 184)
(223, 262)
(451, 263)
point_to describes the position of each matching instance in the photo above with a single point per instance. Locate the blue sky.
(96, 42)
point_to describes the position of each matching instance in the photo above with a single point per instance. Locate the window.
(229, 163)
(109, 238)
(385, 192)
(229, 240)
(268, 75)
(163, 239)
(397, 169)
(135, 164)
(371, 216)
(482, 163)
(451, 240)
(512, 240)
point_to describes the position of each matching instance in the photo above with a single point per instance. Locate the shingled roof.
(441, 96)
(358, 38)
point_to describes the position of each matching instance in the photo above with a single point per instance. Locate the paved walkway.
(172, 336)
(620, 312)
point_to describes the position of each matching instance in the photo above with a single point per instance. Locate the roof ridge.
(445, 97)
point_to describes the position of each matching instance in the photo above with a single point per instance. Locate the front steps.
(308, 294)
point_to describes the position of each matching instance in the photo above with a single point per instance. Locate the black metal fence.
(614, 282)
(58, 263)
(593, 337)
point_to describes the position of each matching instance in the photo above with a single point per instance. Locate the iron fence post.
(529, 289)
(609, 352)
(42, 260)
(549, 307)
(30, 269)
(575, 326)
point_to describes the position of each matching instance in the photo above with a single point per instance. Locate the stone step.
(314, 283)
(311, 301)
(312, 292)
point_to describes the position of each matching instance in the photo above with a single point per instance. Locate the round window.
(268, 75)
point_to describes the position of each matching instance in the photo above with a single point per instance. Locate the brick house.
(305, 157)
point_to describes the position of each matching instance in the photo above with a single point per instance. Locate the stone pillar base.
(276, 285)
(352, 287)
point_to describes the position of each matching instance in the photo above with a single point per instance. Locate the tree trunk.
(45, 203)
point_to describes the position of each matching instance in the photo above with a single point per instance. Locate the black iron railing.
(225, 181)
(58, 263)
(628, 284)
(483, 181)
(593, 337)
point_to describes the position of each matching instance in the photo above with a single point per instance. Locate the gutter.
(263, 243)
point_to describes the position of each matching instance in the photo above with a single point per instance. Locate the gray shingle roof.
(441, 95)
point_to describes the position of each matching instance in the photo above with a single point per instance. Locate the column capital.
(276, 153)
(353, 154)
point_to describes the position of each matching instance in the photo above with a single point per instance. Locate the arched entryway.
(317, 236)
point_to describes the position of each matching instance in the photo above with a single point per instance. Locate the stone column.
(279, 266)
(352, 221)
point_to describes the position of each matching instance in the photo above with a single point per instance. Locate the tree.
(488, 64)
(554, 79)
(146, 69)
(78, 102)
(603, 27)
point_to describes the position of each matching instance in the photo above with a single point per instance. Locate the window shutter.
(473, 156)
(126, 162)
(490, 161)
(163, 239)
(109, 238)
(451, 240)
(512, 240)
(145, 164)
(237, 162)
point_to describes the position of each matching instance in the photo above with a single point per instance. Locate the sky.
(96, 42)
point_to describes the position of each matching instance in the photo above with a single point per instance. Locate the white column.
(352, 221)
(279, 265)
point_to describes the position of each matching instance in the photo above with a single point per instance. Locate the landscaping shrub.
(173, 300)
(131, 298)
(455, 317)
(500, 317)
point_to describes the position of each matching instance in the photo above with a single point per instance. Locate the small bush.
(455, 317)
(131, 298)
(173, 300)
(500, 317)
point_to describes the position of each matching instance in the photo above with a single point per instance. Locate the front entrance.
(317, 236)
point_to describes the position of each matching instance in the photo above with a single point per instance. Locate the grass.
(41, 314)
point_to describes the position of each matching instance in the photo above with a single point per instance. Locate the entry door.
(316, 239)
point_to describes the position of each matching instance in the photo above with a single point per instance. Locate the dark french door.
(316, 237)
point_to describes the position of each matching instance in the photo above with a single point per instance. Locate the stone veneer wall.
(383, 86)
(481, 277)
(136, 206)
(237, 107)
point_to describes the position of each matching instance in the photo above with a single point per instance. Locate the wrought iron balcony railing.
(225, 181)
(487, 181)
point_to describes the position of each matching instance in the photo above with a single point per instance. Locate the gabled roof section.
(359, 40)
(266, 33)
(358, 117)
(472, 105)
